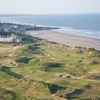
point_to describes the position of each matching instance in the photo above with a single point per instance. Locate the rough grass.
(33, 70)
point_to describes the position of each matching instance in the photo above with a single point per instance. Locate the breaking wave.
(79, 32)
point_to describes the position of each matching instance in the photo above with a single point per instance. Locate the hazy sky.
(49, 6)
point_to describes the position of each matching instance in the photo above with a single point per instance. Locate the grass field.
(45, 70)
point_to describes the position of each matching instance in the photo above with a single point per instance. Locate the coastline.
(66, 39)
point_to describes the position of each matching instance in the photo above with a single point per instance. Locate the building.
(12, 38)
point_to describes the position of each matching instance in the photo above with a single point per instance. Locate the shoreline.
(66, 39)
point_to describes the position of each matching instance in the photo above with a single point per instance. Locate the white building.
(12, 38)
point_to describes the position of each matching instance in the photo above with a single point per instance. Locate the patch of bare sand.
(70, 40)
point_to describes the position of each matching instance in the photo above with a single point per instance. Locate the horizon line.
(50, 14)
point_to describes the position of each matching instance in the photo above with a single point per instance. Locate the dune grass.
(40, 71)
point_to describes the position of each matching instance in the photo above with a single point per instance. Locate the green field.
(42, 70)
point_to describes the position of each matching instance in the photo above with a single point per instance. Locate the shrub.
(79, 52)
(91, 49)
(93, 62)
(95, 54)
(23, 60)
(95, 76)
(48, 66)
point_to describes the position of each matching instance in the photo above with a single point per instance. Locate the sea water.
(87, 25)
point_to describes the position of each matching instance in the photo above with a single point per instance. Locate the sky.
(49, 6)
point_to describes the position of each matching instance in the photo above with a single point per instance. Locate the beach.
(66, 39)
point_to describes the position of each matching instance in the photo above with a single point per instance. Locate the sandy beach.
(69, 40)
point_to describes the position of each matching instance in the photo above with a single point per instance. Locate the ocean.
(87, 25)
